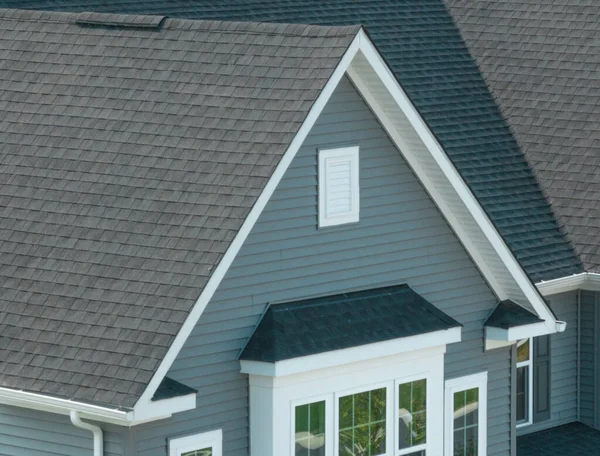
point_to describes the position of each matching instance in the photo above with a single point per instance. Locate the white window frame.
(528, 363)
(212, 439)
(457, 385)
(340, 154)
(329, 425)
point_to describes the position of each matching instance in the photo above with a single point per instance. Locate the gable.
(401, 238)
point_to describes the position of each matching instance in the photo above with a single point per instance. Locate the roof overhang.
(421, 149)
(157, 410)
(584, 281)
(352, 355)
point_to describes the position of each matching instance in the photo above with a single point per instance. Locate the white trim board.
(352, 355)
(584, 281)
(502, 255)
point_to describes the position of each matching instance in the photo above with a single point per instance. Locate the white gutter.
(583, 281)
(98, 441)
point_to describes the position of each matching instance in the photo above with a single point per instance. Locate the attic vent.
(119, 20)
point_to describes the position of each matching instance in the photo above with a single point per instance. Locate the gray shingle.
(122, 182)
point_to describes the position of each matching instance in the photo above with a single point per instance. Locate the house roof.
(424, 48)
(540, 59)
(130, 156)
(509, 314)
(329, 323)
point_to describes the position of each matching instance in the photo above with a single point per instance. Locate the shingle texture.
(509, 314)
(348, 320)
(574, 439)
(128, 161)
(540, 59)
(424, 48)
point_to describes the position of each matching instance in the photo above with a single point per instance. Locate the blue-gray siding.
(401, 238)
(31, 433)
(587, 372)
(563, 395)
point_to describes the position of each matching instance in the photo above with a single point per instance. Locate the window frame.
(352, 154)
(456, 385)
(529, 364)
(212, 439)
(329, 425)
(397, 383)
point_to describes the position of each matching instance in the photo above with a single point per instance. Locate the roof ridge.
(165, 22)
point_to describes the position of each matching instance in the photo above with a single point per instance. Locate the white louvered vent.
(338, 186)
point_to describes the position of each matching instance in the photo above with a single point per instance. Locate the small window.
(524, 382)
(339, 200)
(412, 417)
(206, 444)
(466, 416)
(309, 429)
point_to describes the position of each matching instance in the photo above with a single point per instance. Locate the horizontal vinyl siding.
(31, 433)
(588, 364)
(563, 367)
(401, 238)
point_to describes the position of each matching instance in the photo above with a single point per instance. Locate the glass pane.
(378, 405)
(459, 409)
(302, 447)
(346, 412)
(302, 419)
(523, 350)
(471, 441)
(419, 395)
(418, 453)
(317, 418)
(412, 419)
(459, 443)
(472, 406)
(203, 452)
(362, 424)
(522, 393)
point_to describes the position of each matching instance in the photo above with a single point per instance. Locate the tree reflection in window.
(362, 424)
(466, 425)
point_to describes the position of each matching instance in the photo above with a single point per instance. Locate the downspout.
(98, 441)
(578, 355)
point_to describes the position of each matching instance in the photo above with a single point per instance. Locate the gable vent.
(119, 20)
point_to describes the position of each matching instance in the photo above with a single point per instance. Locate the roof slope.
(540, 59)
(329, 323)
(129, 159)
(424, 48)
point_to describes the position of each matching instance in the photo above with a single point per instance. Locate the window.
(206, 444)
(309, 427)
(412, 416)
(362, 423)
(524, 382)
(466, 416)
(339, 200)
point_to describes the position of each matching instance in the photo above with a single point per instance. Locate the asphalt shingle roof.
(540, 59)
(509, 314)
(346, 320)
(129, 158)
(574, 439)
(424, 48)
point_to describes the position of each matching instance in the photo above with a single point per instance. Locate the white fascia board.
(164, 409)
(460, 187)
(352, 355)
(584, 281)
(516, 333)
(217, 276)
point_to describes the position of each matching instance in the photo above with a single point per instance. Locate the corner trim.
(351, 355)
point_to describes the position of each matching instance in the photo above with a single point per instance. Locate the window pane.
(471, 441)
(310, 429)
(362, 424)
(472, 406)
(203, 452)
(523, 350)
(522, 393)
(412, 421)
